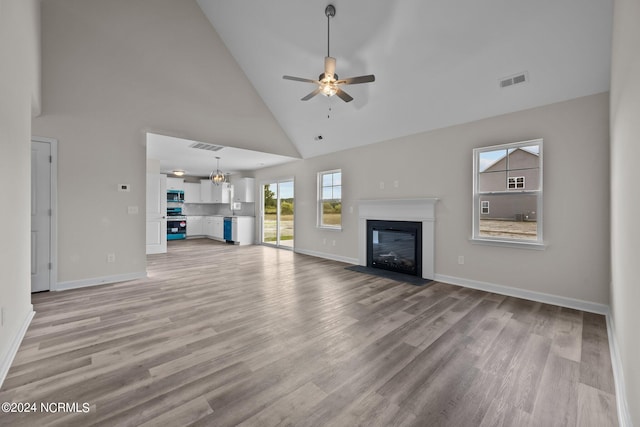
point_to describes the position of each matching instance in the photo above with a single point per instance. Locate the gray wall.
(625, 197)
(20, 97)
(575, 263)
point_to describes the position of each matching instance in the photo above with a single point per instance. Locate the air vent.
(205, 146)
(514, 80)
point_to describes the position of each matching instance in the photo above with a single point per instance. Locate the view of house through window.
(330, 199)
(508, 192)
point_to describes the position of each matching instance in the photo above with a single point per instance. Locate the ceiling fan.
(328, 82)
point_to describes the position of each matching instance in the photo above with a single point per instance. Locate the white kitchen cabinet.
(221, 193)
(214, 227)
(195, 226)
(192, 192)
(242, 231)
(211, 193)
(218, 227)
(208, 226)
(175, 184)
(244, 190)
(206, 191)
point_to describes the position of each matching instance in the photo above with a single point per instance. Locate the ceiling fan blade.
(300, 79)
(355, 80)
(329, 66)
(311, 95)
(344, 95)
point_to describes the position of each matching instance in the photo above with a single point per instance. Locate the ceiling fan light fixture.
(328, 89)
(328, 83)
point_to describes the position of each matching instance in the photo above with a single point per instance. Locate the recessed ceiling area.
(436, 63)
(180, 154)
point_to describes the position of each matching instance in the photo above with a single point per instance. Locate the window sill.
(509, 244)
(329, 228)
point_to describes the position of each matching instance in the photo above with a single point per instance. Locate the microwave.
(175, 195)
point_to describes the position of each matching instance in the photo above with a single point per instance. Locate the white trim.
(326, 255)
(321, 200)
(577, 304)
(476, 214)
(95, 281)
(420, 210)
(53, 250)
(624, 417)
(518, 244)
(7, 358)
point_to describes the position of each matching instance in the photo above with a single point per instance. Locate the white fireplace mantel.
(419, 210)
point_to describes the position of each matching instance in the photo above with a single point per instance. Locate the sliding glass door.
(278, 214)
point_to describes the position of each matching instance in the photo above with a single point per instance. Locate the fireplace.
(395, 246)
(420, 211)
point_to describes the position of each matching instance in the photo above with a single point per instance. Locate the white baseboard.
(577, 304)
(624, 417)
(7, 358)
(325, 255)
(94, 281)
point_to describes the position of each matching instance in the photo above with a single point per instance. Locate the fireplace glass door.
(395, 246)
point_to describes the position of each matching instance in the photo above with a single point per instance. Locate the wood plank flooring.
(221, 335)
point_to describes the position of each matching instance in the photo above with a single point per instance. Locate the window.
(515, 182)
(508, 178)
(330, 199)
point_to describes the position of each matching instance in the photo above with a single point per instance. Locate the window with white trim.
(330, 199)
(515, 182)
(508, 178)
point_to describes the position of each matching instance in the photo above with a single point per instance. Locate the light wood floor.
(222, 335)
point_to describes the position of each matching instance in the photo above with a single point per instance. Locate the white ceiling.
(437, 62)
(176, 153)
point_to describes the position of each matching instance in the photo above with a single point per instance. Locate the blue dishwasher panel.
(228, 234)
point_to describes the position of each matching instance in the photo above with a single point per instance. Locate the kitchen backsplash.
(247, 209)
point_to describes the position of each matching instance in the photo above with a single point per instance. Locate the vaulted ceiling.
(437, 62)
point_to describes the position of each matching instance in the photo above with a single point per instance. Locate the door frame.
(261, 184)
(53, 180)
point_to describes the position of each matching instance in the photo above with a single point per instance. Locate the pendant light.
(217, 177)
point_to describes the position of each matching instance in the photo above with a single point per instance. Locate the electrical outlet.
(460, 259)
(396, 183)
(382, 185)
(111, 257)
(333, 243)
(132, 210)
(324, 241)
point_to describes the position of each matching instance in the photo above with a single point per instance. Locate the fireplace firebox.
(395, 246)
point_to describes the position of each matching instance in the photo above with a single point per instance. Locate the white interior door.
(156, 213)
(40, 216)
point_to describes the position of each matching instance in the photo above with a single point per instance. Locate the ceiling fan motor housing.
(330, 11)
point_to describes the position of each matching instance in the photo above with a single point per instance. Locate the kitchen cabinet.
(218, 227)
(221, 193)
(211, 193)
(206, 191)
(195, 226)
(214, 227)
(244, 190)
(242, 230)
(175, 184)
(192, 192)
